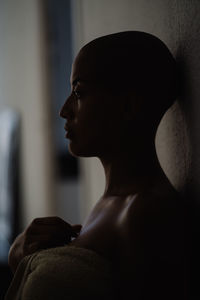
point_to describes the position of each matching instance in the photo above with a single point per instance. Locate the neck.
(131, 172)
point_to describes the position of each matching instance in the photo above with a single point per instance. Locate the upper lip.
(66, 127)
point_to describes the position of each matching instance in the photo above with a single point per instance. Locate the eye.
(77, 94)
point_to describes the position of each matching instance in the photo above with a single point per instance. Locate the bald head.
(135, 62)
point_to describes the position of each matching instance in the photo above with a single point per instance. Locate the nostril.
(67, 110)
(61, 113)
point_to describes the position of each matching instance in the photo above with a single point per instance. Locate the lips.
(68, 131)
(67, 127)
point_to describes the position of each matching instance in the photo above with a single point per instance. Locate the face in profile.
(92, 116)
(122, 84)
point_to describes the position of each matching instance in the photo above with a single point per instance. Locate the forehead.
(101, 67)
(86, 67)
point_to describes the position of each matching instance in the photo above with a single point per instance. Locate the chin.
(81, 151)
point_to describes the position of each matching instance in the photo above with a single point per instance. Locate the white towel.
(68, 272)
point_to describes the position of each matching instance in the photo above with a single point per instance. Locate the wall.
(176, 23)
(23, 86)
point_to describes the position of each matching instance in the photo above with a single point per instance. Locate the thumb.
(76, 228)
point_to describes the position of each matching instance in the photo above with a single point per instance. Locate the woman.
(122, 84)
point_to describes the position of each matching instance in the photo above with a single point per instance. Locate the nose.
(66, 110)
(62, 111)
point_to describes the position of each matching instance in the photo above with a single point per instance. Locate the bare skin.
(41, 233)
(114, 215)
(139, 204)
(139, 216)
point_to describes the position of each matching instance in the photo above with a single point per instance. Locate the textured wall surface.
(176, 22)
(23, 87)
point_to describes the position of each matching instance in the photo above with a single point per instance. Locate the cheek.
(85, 145)
(89, 119)
(96, 128)
(90, 139)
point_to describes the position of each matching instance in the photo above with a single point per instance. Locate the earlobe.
(130, 107)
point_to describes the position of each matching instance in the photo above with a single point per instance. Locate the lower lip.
(68, 135)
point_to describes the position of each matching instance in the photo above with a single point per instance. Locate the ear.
(130, 106)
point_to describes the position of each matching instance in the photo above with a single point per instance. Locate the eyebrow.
(75, 81)
(78, 79)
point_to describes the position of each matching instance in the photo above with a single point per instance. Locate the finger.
(49, 224)
(33, 247)
(46, 220)
(48, 239)
(77, 227)
(48, 229)
(38, 245)
(50, 221)
(76, 230)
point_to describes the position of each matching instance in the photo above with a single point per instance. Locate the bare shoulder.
(153, 225)
(157, 205)
(153, 245)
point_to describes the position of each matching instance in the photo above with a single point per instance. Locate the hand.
(42, 233)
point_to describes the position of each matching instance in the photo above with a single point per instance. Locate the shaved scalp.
(135, 61)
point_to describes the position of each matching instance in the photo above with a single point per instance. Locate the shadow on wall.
(188, 57)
